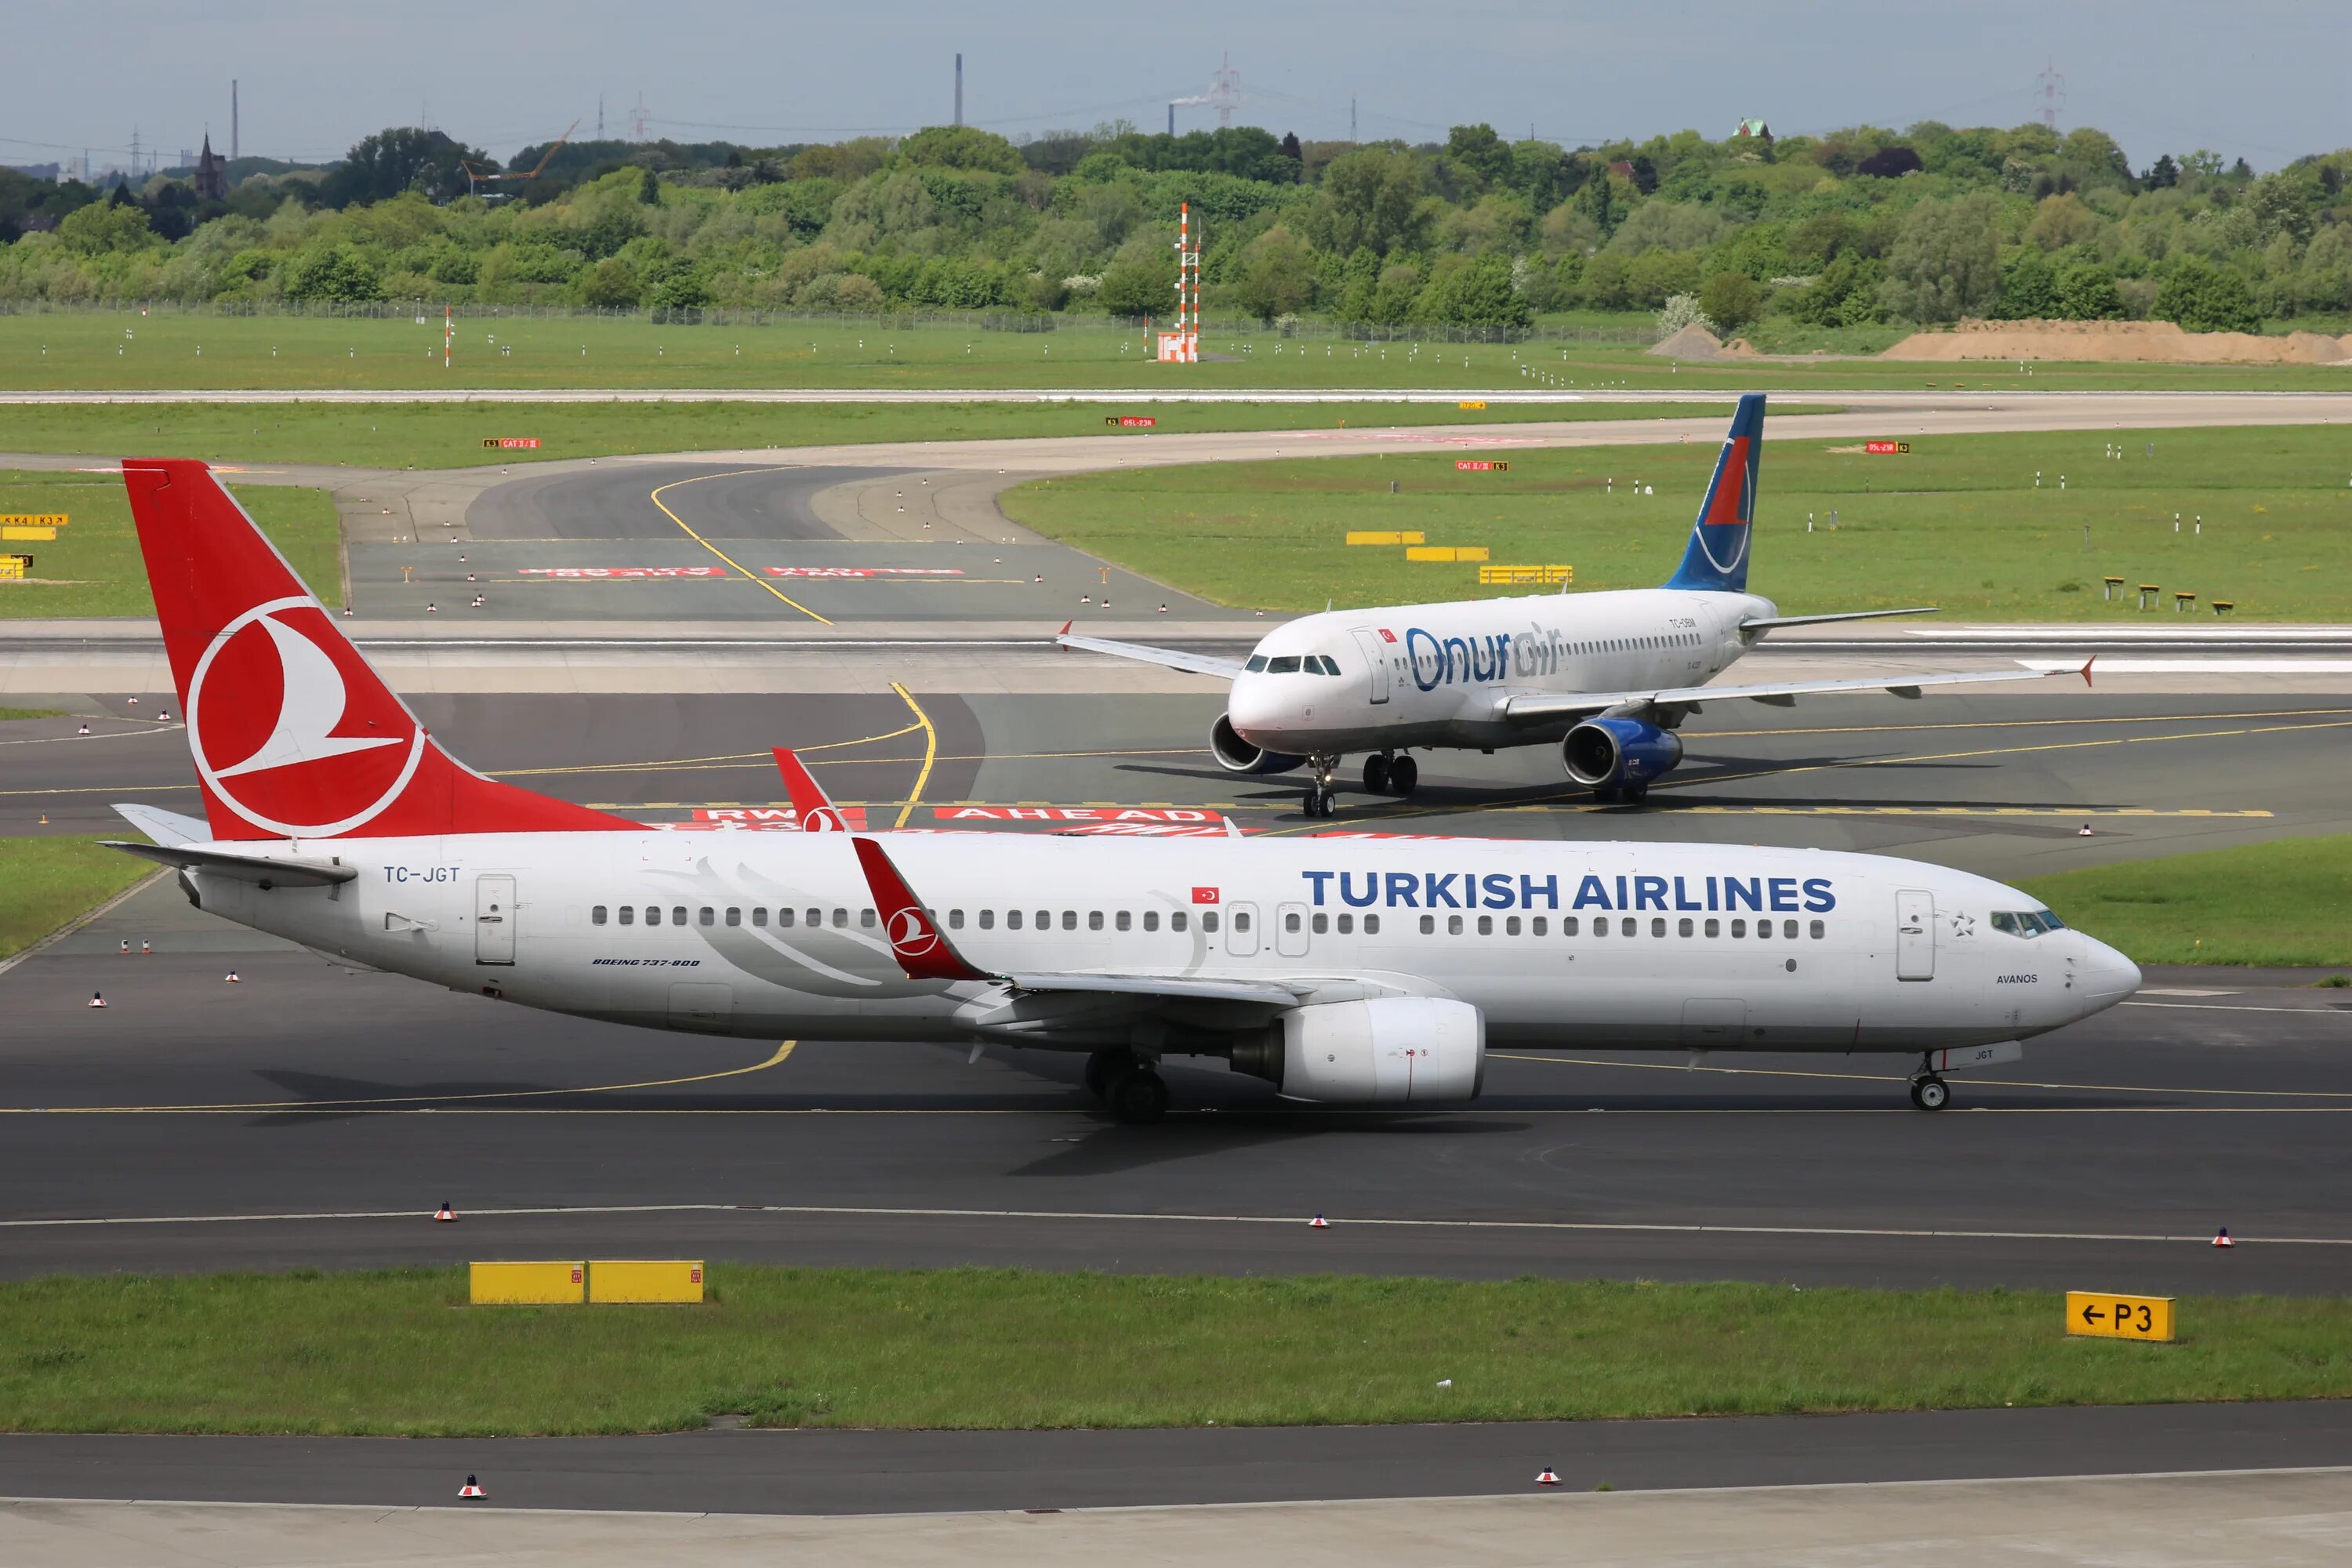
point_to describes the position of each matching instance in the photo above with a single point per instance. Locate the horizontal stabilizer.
(258, 868)
(1766, 623)
(163, 827)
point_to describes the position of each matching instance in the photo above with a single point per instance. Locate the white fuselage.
(1438, 675)
(1584, 945)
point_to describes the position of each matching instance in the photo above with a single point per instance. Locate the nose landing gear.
(1319, 801)
(1930, 1093)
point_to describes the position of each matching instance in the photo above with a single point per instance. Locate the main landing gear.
(1620, 795)
(1930, 1093)
(1129, 1085)
(1384, 774)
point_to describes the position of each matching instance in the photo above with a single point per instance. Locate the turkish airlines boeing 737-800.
(1606, 677)
(1345, 971)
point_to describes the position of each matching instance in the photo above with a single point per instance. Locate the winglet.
(921, 949)
(2085, 671)
(1062, 635)
(816, 812)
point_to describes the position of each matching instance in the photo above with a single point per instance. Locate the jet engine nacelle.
(1610, 753)
(1390, 1050)
(1236, 755)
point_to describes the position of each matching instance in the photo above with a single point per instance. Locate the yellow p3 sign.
(2112, 1317)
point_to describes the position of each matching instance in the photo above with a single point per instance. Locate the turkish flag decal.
(1204, 895)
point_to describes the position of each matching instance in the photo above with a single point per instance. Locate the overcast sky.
(2259, 79)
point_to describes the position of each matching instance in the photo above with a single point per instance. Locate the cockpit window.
(1321, 664)
(1256, 664)
(2027, 924)
(1285, 665)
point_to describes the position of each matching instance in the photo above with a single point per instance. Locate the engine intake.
(1607, 754)
(1236, 755)
(1390, 1050)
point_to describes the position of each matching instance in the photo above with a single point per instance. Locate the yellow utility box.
(2112, 1317)
(1385, 536)
(1445, 552)
(641, 1280)
(528, 1284)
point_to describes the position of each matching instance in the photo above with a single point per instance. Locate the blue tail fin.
(1716, 557)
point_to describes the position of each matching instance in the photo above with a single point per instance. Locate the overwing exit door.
(494, 922)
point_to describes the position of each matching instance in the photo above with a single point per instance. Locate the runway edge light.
(2102, 1314)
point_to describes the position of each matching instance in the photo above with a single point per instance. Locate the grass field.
(2284, 904)
(123, 350)
(93, 567)
(443, 436)
(1959, 521)
(401, 1353)
(44, 882)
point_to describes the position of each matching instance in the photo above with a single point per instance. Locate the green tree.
(102, 227)
(610, 283)
(1947, 262)
(1139, 286)
(1277, 276)
(1371, 198)
(333, 272)
(1479, 151)
(404, 158)
(2087, 292)
(960, 147)
(1731, 301)
(2202, 299)
(1477, 293)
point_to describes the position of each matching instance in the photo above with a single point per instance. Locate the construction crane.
(477, 178)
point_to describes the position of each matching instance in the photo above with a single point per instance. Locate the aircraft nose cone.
(1254, 705)
(2107, 975)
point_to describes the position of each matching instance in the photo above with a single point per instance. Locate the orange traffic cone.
(2220, 1238)
(2084, 831)
(472, 1489)
(445, 1214)
(1549, 1479)
(96, 1000)
(1319, 1223)
(126, 947)
(145, 950)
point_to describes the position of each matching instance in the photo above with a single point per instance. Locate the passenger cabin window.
(1070, 919)
(1178, 921)
(816, 917)
(988, 919)
(955, 919)
(1124, 921)
(1241, 920)
(1347, 923)
(734, 916)
(785, 918)
(1013, 920)
(1820, 929)
(1371, 925)
(596, 916)
(1151, 920)
(1209, 919)
(1567, 926)
(678, 915)
(866, 918)
(1290, 921)
(628, 914)
(709, 915)
(1454, 925)
(1428, 925)
(840, 920)
(1094, 920)
(653, 914)
(1322, 922)
(760, 916)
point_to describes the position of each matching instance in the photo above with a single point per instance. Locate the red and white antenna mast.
(1182, 346)
(2052, 92)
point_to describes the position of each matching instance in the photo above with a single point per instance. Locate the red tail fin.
(293, 735)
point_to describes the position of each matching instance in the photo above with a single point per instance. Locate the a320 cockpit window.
(2027, 924)
(1292, 664)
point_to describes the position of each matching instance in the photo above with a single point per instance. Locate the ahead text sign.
(2112, 1317)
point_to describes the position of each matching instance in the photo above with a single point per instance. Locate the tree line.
(1858, 228)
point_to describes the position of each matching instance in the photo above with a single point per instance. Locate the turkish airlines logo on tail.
(822, 819)
(275, 733)
(911, 935)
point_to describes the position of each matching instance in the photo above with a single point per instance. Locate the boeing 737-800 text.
(1607, 677)
(1344, 970)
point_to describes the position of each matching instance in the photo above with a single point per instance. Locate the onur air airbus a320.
(1606, 677)
(1351, 972)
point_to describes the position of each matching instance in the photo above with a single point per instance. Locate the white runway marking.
(849, 1212)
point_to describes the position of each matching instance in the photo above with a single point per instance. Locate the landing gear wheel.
(1607, 795)
(1138, 1097)
(1405, 775)
(1104, 1066)
(1376, 774)
(1930, 1092)
(1319, 803)
(1635, 794)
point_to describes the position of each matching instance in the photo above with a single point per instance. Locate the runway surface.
(844, 1472)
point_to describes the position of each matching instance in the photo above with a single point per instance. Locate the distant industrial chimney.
(959, 120)
(232, 117)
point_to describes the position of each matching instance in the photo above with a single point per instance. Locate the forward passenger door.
(1915, 935)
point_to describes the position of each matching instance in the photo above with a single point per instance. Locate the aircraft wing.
(1174, 658)
(1766, 623)
(1533, 706)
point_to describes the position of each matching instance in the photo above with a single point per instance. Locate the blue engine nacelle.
(1236, 755)
(1619, 754)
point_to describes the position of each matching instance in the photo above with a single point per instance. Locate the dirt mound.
(1696, 343)
(2143, 342)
